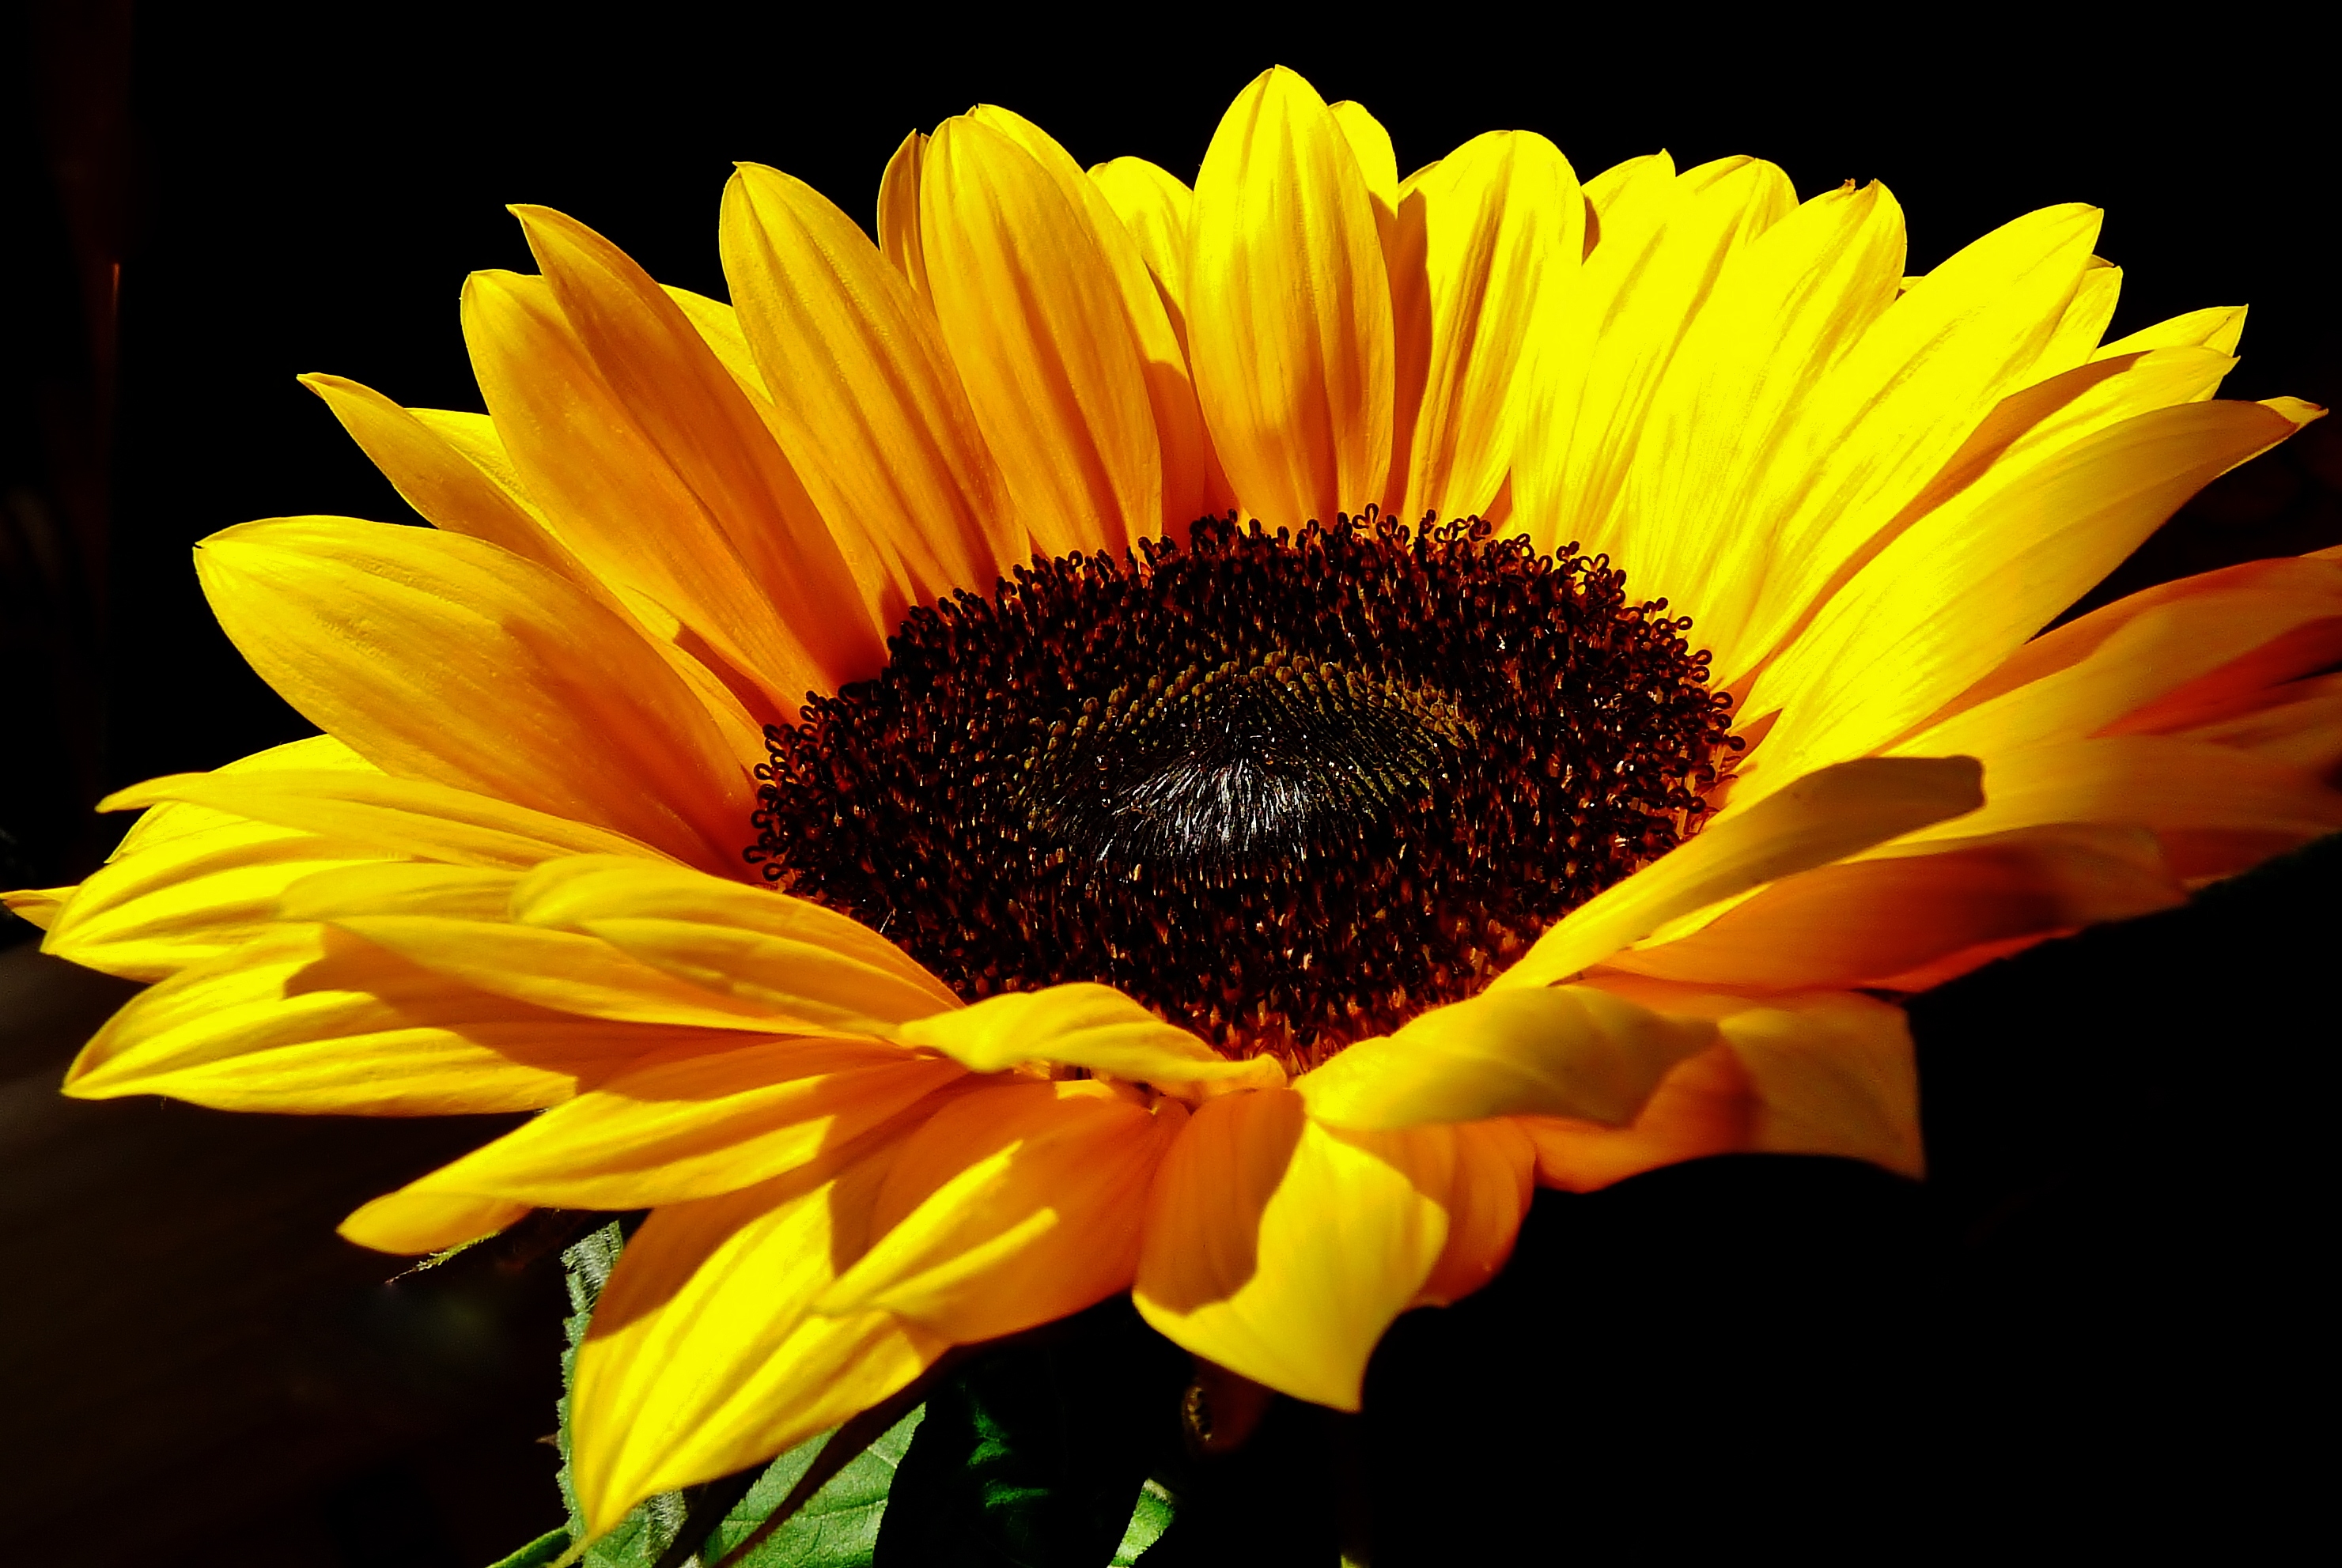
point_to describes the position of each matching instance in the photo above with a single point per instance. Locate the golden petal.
(1282, 1248)
(448, 659)
(1522, 1050)
(1010, 1207)
(703, 1358)
(1029, 308)
(1289, 308)
(302, 1018)
(1822, 817)
(865, 397)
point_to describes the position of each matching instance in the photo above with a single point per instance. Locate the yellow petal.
(1154, 209)
(1282, 1248)
(439, 481)
(189, 882)
(305, 1019)
(190, 897)
(1030, 310)
(2029, 428)
(1526, 1051)
(1662, 242)
(1831, 1073)
(1785, 308)
(391, 815)
(1820, 818)
(40, 906)
(701, 1359)
(1193, 482)
(452, 468)
(1504, 228)
(583, 450)
(864, 398)
(2218, 327)
(398, 887)
(1866, 922)
(564, 970)
(445, 658)
(1965, 585)
(1289, 318)
(746, 947)
(2084, 322)
(401, 1222)
(898, 212)
(1370, 145)
(316, 754)
(1870, 432)
(695, 1124)
(1083, 1026)
(1012, 1206)
(702, 426)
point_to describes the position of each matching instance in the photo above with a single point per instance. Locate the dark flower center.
(1288, 792)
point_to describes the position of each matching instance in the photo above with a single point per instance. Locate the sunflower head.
(1287, 789)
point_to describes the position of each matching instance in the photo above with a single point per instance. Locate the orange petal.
(1864, 922)
(584, 452)
(2061, 649)
(898, 212)
(701, 426)
(1809, 1072)
(1495, 1176)
(1029, 307)
(1289, 309)
(2216, 811)
(445, 658)
(864, 398)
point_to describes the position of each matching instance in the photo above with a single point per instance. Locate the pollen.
(1288, 790)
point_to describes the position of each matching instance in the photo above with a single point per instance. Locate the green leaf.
(838, 1525)
(539, 1552)
(1035, 1452)
(1148, 1521)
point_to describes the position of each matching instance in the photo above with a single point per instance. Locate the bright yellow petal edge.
(1868, 489)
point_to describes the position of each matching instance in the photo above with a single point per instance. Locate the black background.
(2095, 1324)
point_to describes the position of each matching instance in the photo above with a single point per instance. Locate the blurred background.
(203, 201)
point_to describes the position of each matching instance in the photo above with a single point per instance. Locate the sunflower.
(1193, 742)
